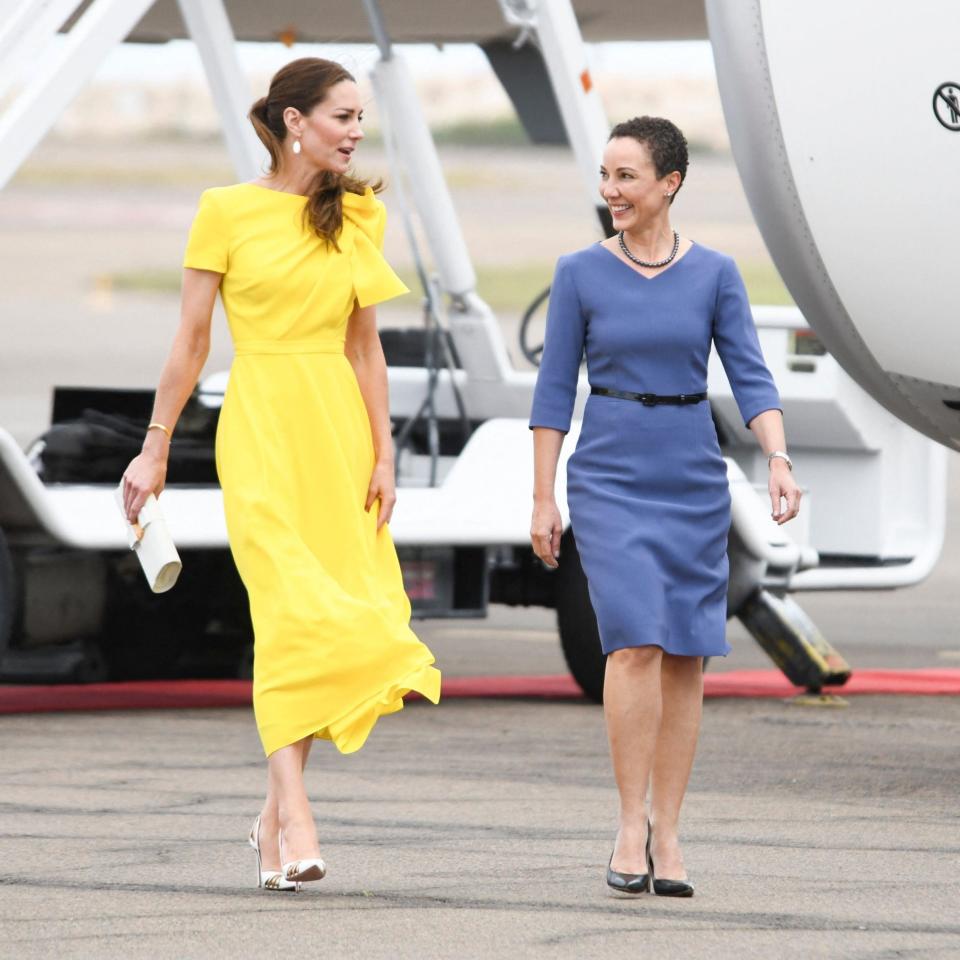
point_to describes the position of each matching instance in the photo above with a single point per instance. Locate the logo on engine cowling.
(946, 105)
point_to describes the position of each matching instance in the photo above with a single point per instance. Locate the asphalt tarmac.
(481, 829)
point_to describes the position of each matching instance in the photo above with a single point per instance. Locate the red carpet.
(180, 694)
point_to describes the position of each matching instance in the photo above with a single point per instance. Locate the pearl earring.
(296, 146)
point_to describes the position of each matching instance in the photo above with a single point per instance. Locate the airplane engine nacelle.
(845, 126)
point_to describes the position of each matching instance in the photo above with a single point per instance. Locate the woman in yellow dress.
(304, 449)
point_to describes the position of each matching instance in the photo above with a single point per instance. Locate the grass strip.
(504, 287)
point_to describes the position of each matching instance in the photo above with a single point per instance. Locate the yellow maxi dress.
(333, 647)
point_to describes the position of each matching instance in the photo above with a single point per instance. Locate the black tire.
(577, 623)
(143, 633)
(8, 595)
(245, 663)
(93, 668)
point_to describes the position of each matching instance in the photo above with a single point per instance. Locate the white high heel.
(268, 879)
(301, 871)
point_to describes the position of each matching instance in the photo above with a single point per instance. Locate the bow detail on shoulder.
(373, 278)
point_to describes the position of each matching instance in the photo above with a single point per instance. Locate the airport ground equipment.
(874, 512)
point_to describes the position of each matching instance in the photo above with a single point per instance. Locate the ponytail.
(259, 116)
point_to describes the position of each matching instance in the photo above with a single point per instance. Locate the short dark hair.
(664, 140)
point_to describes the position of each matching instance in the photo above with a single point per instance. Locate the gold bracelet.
(160, 426)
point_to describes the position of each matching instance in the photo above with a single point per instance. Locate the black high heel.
(665, 888)
(631, 883)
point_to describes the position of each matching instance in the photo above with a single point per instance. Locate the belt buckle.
(648, 399)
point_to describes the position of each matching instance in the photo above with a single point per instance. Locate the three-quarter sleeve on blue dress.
(738, 345)
(556, 389)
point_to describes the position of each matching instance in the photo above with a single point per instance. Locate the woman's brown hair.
(303, 84)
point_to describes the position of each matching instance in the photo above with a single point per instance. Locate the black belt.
(650, 399)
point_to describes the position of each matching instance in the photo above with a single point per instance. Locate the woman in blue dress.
(647, 486)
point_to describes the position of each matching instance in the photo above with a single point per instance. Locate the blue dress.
(646, 486)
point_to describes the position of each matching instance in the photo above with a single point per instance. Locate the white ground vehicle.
(815, 197)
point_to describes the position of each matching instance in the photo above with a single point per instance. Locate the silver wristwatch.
(780, 455)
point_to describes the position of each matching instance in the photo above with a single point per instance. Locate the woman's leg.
(631, 704)
(305, 744)
(287, 808)
(270, 814)
(681, 682)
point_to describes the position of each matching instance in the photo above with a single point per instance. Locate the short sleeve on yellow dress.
(208, 243)
(333, 648)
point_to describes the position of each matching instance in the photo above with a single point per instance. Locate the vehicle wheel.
(8, 595)
(143, 633)
(245, 663)
(579, 635)
(93, 667)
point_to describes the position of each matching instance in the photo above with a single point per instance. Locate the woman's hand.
(546, 527)
(783, 487)
(146, 474)
(383, 487)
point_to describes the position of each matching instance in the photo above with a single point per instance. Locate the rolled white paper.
(155, 549)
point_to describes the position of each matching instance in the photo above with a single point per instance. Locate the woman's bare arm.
(147, 472)
(365, 353)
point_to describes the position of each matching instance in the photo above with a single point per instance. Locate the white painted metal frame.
(473, 325)
(405, 123)
(34, 24)
(209, 27)
(7, 8)
(900, 575)
(554, 24)
(25, 30)
(104, 24)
